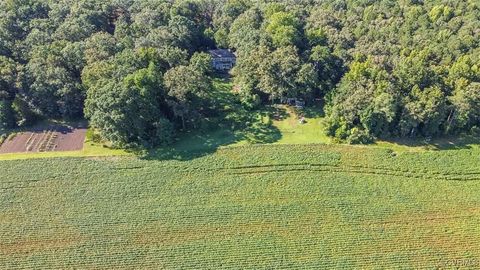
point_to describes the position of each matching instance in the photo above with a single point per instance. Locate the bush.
(93, 136)
(359, 136)
(250, 101)
(164, 132)
(7, 116)
(12, 136)
(475, 131)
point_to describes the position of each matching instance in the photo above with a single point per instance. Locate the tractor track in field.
(451, 176)
(271, 168)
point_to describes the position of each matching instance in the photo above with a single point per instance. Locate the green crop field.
(248, 207)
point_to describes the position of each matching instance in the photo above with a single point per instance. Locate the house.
(297, 102)
(222, 59)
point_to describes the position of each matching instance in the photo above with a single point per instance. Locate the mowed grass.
(277, 124)
(294, 132)
(249, 207)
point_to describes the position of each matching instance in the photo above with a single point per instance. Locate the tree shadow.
(260, 133)
(442, 143)
(315, 110)
(237, 126)
(277, 113)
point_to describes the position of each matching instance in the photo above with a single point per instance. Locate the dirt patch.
(46, 139)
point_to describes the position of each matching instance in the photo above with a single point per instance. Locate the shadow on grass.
(235, 128)
(314, 111)
(235, 124)
(443, 143)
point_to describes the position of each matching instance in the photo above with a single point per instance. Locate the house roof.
(221, 53)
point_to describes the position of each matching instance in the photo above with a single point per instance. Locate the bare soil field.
(46, 138)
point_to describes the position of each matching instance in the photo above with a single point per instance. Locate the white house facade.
(223, 59)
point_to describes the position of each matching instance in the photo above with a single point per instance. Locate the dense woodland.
(139, 72)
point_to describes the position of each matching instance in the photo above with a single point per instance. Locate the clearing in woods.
(247, 207)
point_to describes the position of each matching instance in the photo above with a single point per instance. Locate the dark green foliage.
(385, 68)
(415, 81)
(7, 117)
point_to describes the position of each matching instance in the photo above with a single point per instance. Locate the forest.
(140, 72)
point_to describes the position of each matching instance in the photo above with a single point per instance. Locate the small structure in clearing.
(297, 102)
(223, 59)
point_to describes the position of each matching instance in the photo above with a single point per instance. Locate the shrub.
(359, 136)
(475, 131)
(93, 136)
(163, 133)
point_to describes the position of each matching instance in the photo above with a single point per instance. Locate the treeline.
(137, 69)
(413, 68)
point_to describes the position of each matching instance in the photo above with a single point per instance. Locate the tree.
(384, 68)
(128, 112)
(202, 62)
(186, 87)
(247, 76)
(185, 33)
(283, 29)
(424, 112)
(465, 109)
(8, 77)
(278, 74)
(364, 104)
(7, 117)
(99, 47)
(8, 91)
(245, 31)
(54, 84)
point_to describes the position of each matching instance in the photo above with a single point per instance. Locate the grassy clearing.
(240, 127)
(294, 132)
(250, 207)
(280, 125)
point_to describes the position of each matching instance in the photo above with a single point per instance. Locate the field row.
(250, 208)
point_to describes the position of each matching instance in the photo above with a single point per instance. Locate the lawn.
(294, 132)
(247, 207)
(275, 124)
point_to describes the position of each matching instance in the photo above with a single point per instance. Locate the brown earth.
(46, 139)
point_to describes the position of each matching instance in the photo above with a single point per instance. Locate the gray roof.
(221, 53)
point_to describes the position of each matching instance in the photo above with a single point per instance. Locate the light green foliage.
(221, 38)
(245, 31)
(52, 53)
(202, 62)
(440, 11)
(363, 106)
(291, 206)
(186, 88)
(283, 29)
